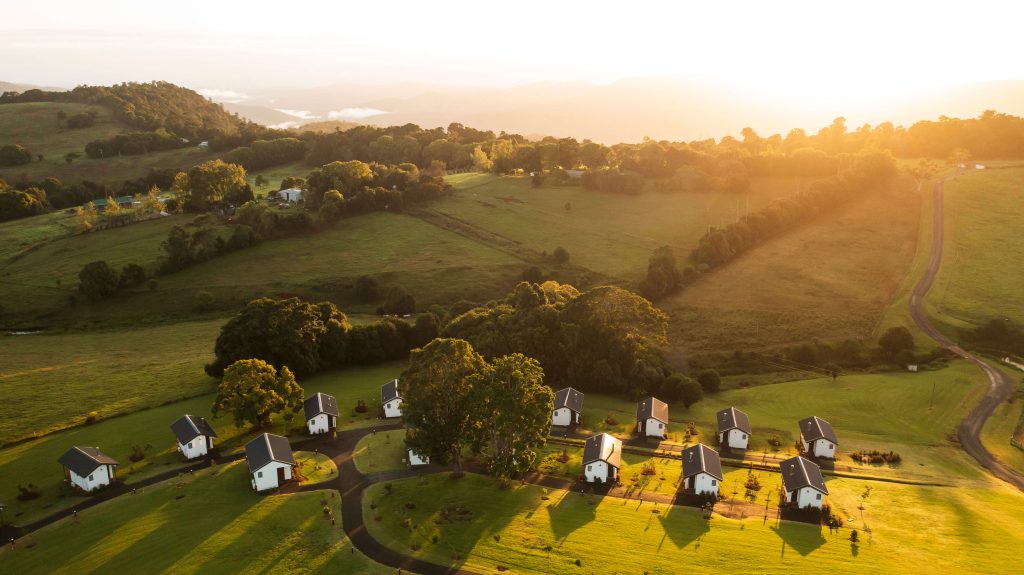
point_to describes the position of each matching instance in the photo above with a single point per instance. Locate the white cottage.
(321, 413)
(194, 436)
(568, 406)
(652, 418)
(802, 483)
(270, 461)
(290, 195)
(818, 438)
(602, 458)
(733, 429)
(416, 458)
(390, 400)
(702, 470)
(87, 468)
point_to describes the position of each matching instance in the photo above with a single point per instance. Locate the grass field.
(382, 451)
(275, 174)
(984, 250)
(207, 523)
(36, 461)
(530, 530)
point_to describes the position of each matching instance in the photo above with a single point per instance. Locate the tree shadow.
(803, 538)
(684, 526)
(573, 511)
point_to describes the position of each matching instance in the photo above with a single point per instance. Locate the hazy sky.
(824, 48)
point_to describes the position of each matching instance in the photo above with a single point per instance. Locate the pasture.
(209, 522)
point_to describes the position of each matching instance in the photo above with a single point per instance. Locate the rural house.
(290, 195)
(87, 468)
(818, 438)
(321, 413)
(390, 400)
(802, 483)
(602, 458)
(702, 470)
(270, 461)
(568, 406)
(194, 435)
(416, 458)
(652, 418)
(733, 429)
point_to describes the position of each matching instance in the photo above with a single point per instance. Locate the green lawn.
(207, 523)
(1007, 421)
(17, 236)
(382, 451)
(984, 249)
(532, 530)
(275, 174)
(315, 467)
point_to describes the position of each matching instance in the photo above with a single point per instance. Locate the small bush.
(137, 453)
(28, 492)
(361, 406)
(775, 441)
(876, 457)
(578, 563)
(752, 484)
(92, 417)
(854, 536)
(406, 523)
(610, 420)
(649, 469)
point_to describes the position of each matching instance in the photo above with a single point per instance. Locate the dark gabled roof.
(320, 403)
(267, 448)
(570, 398)
(816, 428)
(701, 459)
(603, 447)
(189, 427)
(389, 391)
(732, 418)
(798, 473)
(85, 460)
(652, 407)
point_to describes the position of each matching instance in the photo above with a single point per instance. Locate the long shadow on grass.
(573, 511)
(684, 526)
(801, 537)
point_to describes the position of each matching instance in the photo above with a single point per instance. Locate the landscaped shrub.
(610, 420)
(876, 457)
(361, 406)
(753, 483)
(93, 417)
(774, 441)
(649, 469)
(406, 523)
(137, 453)
(28, 492)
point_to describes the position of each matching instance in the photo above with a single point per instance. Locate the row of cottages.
(652, 418)
(818, 438)
(270, 461)
(321, 413)
(702, 470)
(87, 468)
(802, 483)
(602, 459)
(194, 436)
(391, 399)
(568, 407)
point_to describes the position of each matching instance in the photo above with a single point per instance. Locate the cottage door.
(280, 475)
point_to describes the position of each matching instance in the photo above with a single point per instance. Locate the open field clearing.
(209, 522)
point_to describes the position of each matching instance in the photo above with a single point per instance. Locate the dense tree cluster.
(16, 204)
(134, 144)
(343, 189)
(1000, 334)
(14, 155)
(266, 153)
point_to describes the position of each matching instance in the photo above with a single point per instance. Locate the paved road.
(1000, 385)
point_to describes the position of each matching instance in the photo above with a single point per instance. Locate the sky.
(823, 49)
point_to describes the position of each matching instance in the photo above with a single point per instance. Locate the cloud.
(300, 114)
(229, 96)
(354, 113)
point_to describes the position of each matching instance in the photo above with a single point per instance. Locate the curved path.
(1000, 385)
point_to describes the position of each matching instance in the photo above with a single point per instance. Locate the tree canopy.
(252, 391)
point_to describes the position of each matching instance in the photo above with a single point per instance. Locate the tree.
(260, 181)
(690, 392)
(480, 160)
(252, 391)
(895, 340)
(709, 381)
(366, 289)
(71, 157)
(14, 155)
(513, 408)
(561, 255)
(132, 275)
(98, 280)
(213, 182)
(438, 399)
(399, 302)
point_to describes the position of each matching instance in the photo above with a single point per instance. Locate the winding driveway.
(1000, 385)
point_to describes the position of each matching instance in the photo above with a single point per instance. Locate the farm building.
(321, 413)
(652, 418)
(290, 195)
(194, 436)
(733, 428)
(390, 400)
(270, 461)
(802, 483)
(602, 458)
(702, 470)
(87, 468)
(416, 458)
(818, 438)
(568, 406)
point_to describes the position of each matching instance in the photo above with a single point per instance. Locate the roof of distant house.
(603, 447)
(189, 427)
(816, 428)
(569, 397)
(701, 459)
(266, 448)
(320, 403)
(85, 460)
(798, 473)
(652, 407)
(732, 418)
(389, 391)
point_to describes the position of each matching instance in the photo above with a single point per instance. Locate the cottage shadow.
(684, 526)
(574, 510)
(803, 538)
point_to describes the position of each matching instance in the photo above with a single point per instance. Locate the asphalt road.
(1000, 385)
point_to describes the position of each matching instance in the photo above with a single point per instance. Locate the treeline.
(309, 337)
(14, 155)
(134, 144)
(16, 203)
(1000, 334)
(267, 153)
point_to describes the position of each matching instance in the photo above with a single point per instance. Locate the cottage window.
(831, 447)
(90, 478)
(259, 474)
(590, 468)
(714, 482)
(819, 497)
(661, 425)
(744, 436)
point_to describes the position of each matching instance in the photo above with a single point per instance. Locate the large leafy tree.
(513, 410)
(438, 399)
(280, 332)
(215, 181)
(252, 391)
(98, 280)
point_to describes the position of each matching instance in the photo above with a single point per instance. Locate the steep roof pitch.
(570, 398)
(701, 459)
(189, 427)
(798, 473)
(389, 391)
(732, 418)
(320, 403)
(603, 447)
(85, 460)
(652, 407)
(816, 428)
(266, 448)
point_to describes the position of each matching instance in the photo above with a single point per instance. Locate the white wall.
(393, 408)
(654, 428)
(416, 459)
(99, 478)
(735, 439)
(599, 471)
(266, 477)
(807, 497)
(319, 424)
(562, 416)
(703, 483)
(195, 448)
(824, 448)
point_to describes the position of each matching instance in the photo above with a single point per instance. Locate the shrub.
(406, 523)
(876, 457)
(204, 301)
(610, 420)
(774, 440)
(28, 492)
(92, 417)
(752, 484)
(98, 280)
(561, 256)
(361, 406)
(649, 469)
(854, 536)
(709, 381)
(137, 453)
